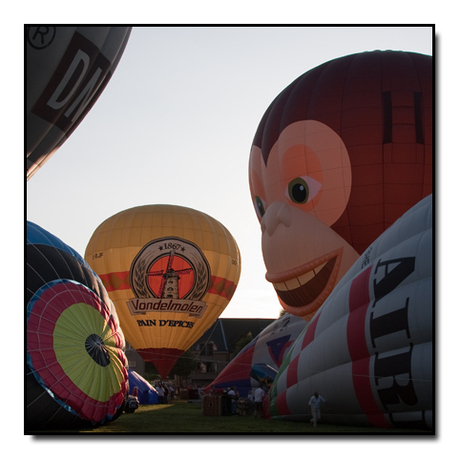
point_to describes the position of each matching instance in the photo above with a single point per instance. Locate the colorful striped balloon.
(76, 366)
(368, 350)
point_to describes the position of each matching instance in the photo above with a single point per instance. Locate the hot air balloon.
(67, 69)
(146, 393)
(339, 155)
(368, 350)
(258, 362)
(170, 271)
(76, 367)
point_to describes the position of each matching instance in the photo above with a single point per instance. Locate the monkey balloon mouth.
(306, 287)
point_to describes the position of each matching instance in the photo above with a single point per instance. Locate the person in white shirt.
(161, 393)
(231, 392)
(259, 396)
(315, 404)
(250, 410)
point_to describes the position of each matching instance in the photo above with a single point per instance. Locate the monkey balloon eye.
(260, 206)
(302, 189)
(298, 190)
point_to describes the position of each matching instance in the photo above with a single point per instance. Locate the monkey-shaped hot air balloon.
(369, 348)
(339, 155)
(67, 68)
(77, 372)
(170, 271)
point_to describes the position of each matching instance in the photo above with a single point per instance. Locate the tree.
(151, 372)
(185, 365)
(242, 343)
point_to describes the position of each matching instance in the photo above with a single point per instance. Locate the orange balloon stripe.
(120, 280)
(115, 281)
(222, 287)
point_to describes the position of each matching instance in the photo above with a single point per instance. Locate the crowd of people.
(252, 405)
(164, 391)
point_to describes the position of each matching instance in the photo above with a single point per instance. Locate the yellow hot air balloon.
(170, 272)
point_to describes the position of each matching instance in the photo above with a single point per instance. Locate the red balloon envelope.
(339, 155)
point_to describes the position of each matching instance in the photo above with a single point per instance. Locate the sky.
(175, 125)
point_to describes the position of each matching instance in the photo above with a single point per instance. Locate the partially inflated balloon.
(339, 155)
(368, 350)
(170, 271)
(76, 366)
(258, 362)
(146, 393)
(67, 69)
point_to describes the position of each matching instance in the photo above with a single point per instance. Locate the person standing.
(234, 395)
(161, 393)
(315, 404)
(231, 395)
(250, 403)
(259, 396)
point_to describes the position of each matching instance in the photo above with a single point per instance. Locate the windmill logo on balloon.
(169, 275)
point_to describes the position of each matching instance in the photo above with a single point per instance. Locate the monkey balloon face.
(340, 154)
(300, 192)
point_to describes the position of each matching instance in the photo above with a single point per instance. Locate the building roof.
(226, 332)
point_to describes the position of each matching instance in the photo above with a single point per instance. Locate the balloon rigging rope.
(207, 340)
(240, 365)
(249, 366)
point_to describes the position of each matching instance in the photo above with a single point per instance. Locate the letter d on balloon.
(84, 94)
(80, 57)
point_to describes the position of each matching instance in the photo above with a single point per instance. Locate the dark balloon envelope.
(67, 68)
(76, 366)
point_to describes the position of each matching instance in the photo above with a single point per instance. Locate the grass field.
(182, 417)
